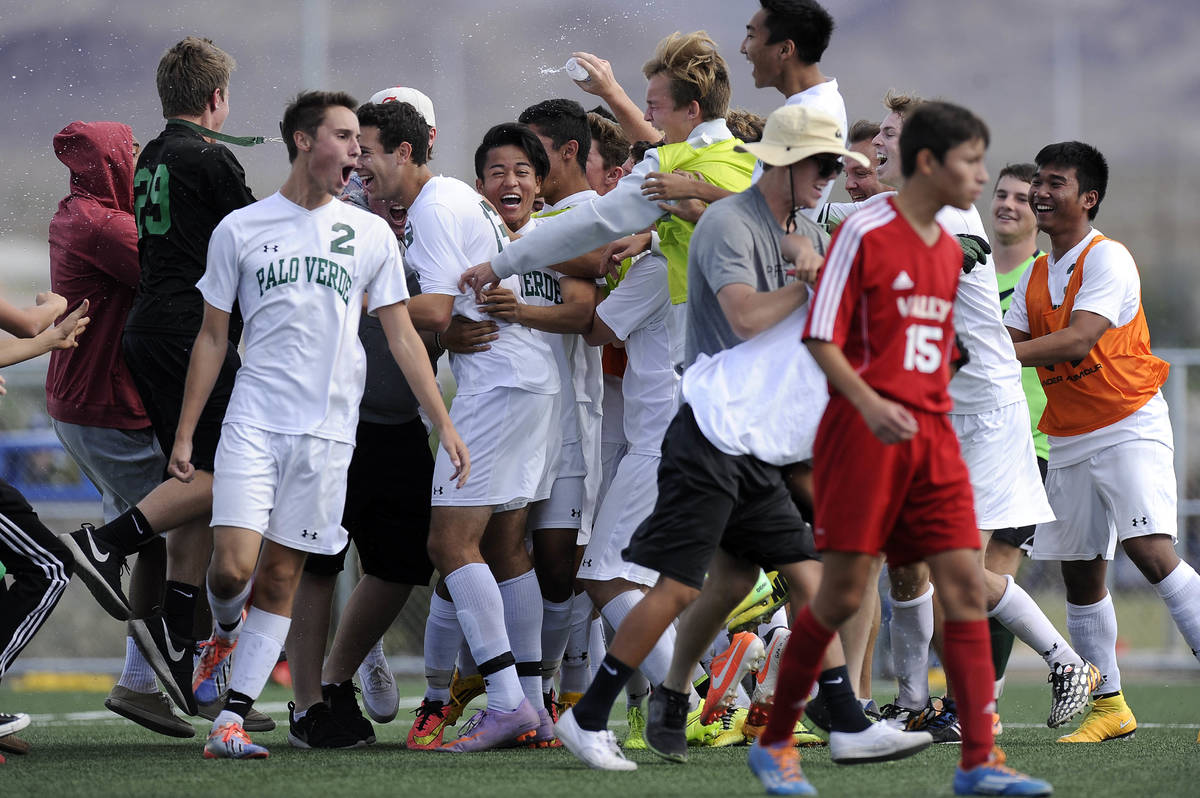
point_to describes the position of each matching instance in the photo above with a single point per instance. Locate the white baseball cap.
(796, 132)
(404, 94)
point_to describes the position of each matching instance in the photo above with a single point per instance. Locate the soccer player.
(90, 396)
(280, 478)
(184, 185)
(892, 273)
(507, 401)
(608, 153)
(1077, 316)
(1015, 248)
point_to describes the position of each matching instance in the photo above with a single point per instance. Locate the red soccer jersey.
(887, 299)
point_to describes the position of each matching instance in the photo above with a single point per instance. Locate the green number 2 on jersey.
(341, 244)
(152, 201)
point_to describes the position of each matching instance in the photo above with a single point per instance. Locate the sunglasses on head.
(828, 165)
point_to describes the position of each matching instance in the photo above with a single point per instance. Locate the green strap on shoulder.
(237, 141)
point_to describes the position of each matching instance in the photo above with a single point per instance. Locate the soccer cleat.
(879, 742)
(596, 749)
(380, 696)
(778, 768)
(567, 700)
(489, 728)
(231, 742)
(319, 729)
(151, 710)
(1070, 687)
(12, 723)
(170, 657)
(255, 721)
(731, 732)
(636, 740)
(426, 732)
(696, 732)
(997, 726)
(543, 736)
(994, 778)
(98, 563)
(902, 716)
(746, 654)
(463, 690)
(765, 680)
(669, 725)
(940, 719)
(746, 615)
(344, 706)
(211, 675)
(12, 744)
(1108, 719)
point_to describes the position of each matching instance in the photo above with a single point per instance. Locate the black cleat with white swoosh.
(98, 563)
(171, 658)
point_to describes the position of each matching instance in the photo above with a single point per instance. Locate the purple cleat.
(491, 729)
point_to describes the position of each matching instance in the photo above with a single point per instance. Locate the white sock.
(443, 637)
(1093, 630)
(465, 662)
(597, 648)
(998, 688)
(1180, 591)
(575, 672)
(1022, 616)
(658, 661)
(779, 619)
(480, 611)
(556, 628)
(523, 620)
(911, 630)
(228, 612)
(258, 650)
(137, 675)
(636, 690)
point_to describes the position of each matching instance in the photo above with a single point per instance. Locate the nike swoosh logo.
(838, 680)
(174, 653)
(611, 671)
(1123, 724)
(96, 555)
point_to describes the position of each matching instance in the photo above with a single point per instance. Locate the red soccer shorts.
(908, 500)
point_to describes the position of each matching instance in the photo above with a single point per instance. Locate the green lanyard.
(239, 141)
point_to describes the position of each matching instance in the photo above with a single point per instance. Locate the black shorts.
(1021, 537)
(159, 365)
(387, 505)
(706, 499)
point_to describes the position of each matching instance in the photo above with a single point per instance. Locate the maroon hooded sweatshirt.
(94, 256)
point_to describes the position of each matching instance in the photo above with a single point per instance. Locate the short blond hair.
(189, 73)
(901, 104)
(696, 70)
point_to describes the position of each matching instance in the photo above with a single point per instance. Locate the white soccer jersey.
(298, 277)
(637, 312)
(450, 229)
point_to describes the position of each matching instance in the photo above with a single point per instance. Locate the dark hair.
(397, 123)
(609, 140)
(804, 22)
(638, 150)
(862, 130)
(745, 125)
(561, 121)
(938, 127)
(601, 110)
(1019, 171)
(307, 112)
(189, 73)
(517, 135)
(1091, 170)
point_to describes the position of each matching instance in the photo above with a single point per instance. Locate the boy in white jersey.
(289, 431)
(991, 418)
(507, 404)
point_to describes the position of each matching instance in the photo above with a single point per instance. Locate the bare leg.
(308, 635)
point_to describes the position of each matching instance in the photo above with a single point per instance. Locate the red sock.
(968, 649)
(797, 672)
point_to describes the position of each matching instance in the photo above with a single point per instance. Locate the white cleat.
(380, 696)
(881, 742)
(596, 749)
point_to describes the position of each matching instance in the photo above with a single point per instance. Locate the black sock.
(1002, 646)
(179, 609)
(239, 703)
(591, 713)
(128, 532)
(845, 713)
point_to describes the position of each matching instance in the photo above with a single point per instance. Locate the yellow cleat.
(731, 723)
(1108, 719)
(636, 741)
(769, 594)
(698, 733)
(463, 690)
(567, 700)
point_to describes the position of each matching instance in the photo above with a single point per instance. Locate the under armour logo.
(576, 513)
(438, 490)
(307, 534)
(586, 563)
(270, 247)
(1143, 522)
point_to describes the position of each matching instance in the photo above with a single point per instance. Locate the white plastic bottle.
(576, 70)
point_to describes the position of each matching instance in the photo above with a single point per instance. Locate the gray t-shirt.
(736, 241)
(387, 399)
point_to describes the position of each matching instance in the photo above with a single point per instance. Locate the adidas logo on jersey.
(902, 282)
